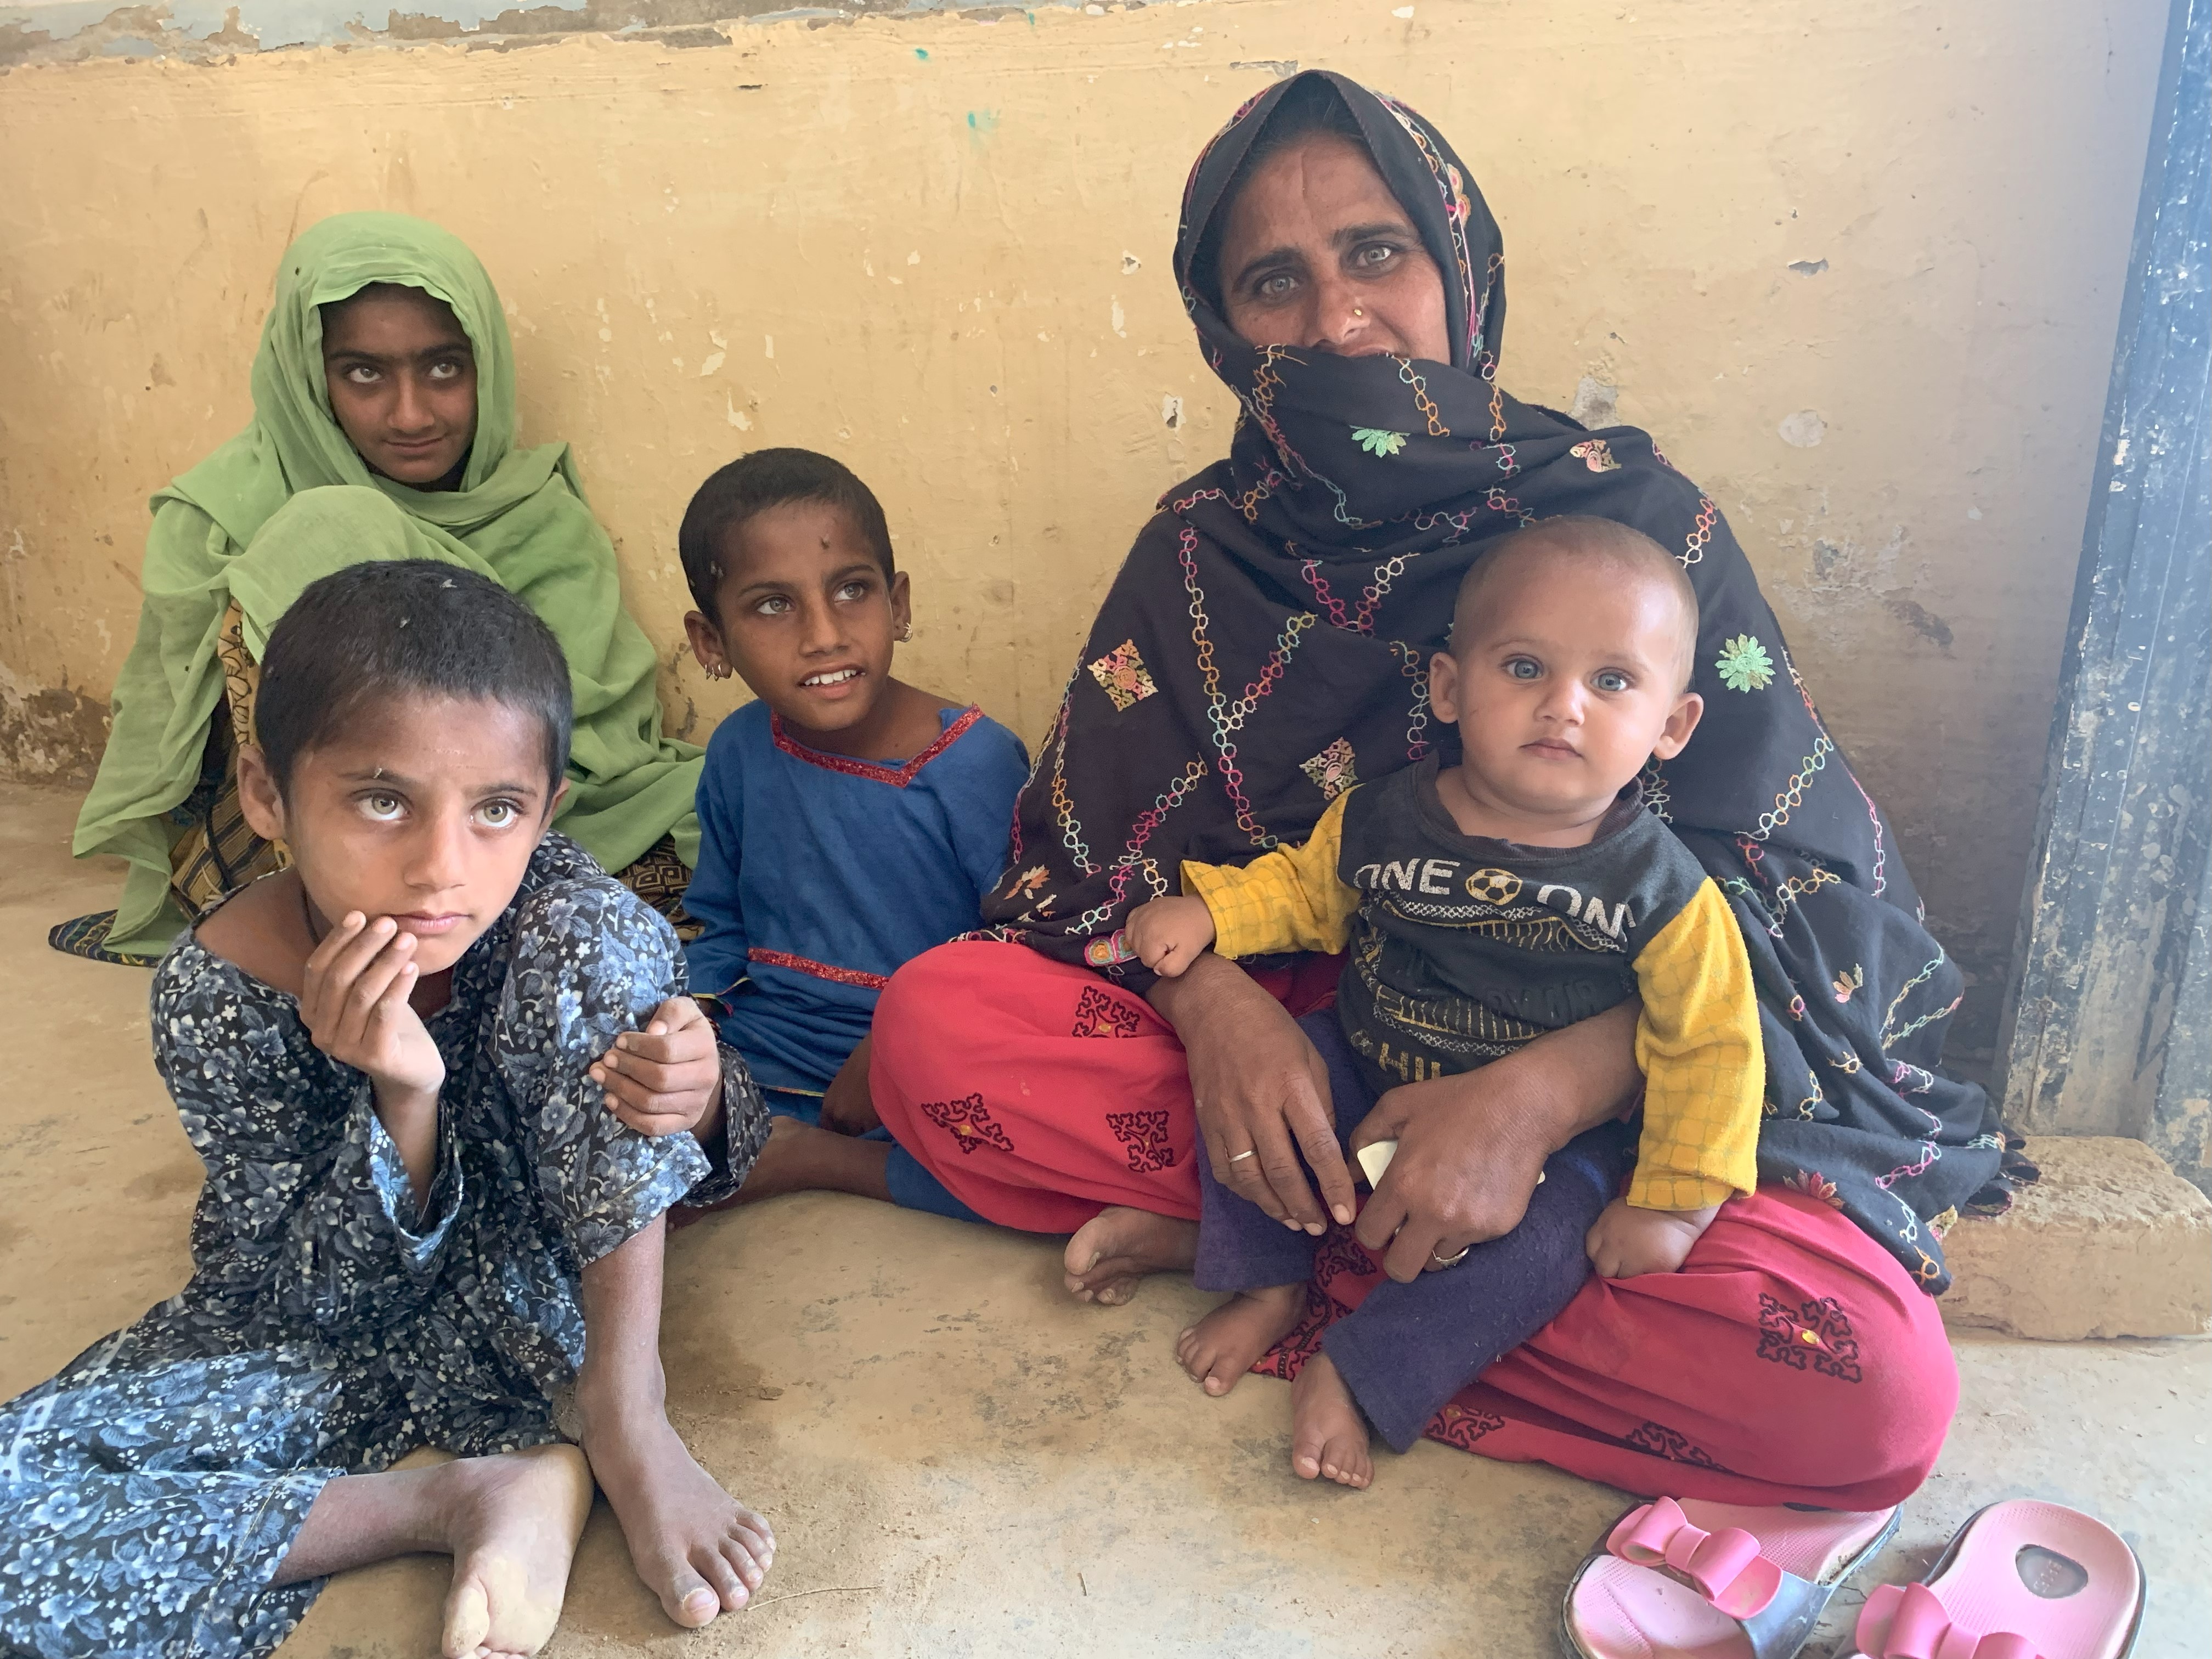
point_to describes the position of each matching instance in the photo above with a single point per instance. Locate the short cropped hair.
(392, 627)
(751, 485)
(1581, 536)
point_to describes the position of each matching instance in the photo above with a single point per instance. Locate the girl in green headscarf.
(384, 363)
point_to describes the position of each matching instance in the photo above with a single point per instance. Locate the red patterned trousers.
(1791, 1360)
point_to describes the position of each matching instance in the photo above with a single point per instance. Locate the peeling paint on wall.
(49, 733)
(72, 31)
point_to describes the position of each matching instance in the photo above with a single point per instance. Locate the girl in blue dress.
(849, 821)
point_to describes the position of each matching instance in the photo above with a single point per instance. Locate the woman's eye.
(444, 371)
(362, 374)
(855, 589)
(1523, 668)
(1273, 286)
(1611, 679)
(1374, 254)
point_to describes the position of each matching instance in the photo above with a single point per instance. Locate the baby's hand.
(353, 1000)
(1626, 1240)
(1169, 934)
(665, 1079)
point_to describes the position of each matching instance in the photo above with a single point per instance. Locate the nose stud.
(1357, 311)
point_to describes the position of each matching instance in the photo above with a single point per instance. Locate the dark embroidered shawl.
(1264, 646)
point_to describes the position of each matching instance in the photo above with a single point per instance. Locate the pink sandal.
(1692, 1580)
(2021, 1580)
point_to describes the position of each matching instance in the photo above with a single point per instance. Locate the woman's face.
(403, 381)
(1318, 253)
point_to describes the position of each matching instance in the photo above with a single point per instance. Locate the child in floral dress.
(422, 1222)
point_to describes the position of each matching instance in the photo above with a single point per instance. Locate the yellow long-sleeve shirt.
(1462, 950)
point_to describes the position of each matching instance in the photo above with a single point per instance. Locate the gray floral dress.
(148, 1492)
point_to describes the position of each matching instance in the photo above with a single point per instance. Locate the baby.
(847, 821)
(1484, 904)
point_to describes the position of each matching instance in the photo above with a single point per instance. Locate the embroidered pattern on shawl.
(1268, 639)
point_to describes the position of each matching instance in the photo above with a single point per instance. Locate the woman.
(385, 361)
(1262, 650)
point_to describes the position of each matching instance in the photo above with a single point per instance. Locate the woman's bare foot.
(1119, 1246)
(1229, 1342)
(513, 1525)
(694, 1546)
(1328, 1436)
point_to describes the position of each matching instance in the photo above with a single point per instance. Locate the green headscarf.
(221, 532)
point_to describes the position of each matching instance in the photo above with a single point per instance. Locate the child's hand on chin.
(1628, 1240)
(1168, 934)
(353, 999)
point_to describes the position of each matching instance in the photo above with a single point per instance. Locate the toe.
(468, 1620)
(743, 1563)
(729, 1588)
(688, 1600)
(1081, 1257)
(757, 1541)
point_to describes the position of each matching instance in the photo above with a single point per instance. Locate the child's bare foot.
(1119, 1246)
(801, 1158)
(1229, 1342)
(1328, 1436)
(694, 1546)
(513, 1522)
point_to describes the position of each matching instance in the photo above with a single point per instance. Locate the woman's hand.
(1261, 1091)
(1471, 1146)
(353, 1000)
(666, 1078)
(847, 1105)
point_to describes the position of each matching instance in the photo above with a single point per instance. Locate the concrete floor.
(959, 1461)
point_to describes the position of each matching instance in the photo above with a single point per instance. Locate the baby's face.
(1566, 685)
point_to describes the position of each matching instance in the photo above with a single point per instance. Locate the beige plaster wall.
(939, 247)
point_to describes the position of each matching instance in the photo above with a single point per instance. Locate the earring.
(717, 671)
(906, 633)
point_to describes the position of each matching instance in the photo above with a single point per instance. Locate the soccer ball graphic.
(1494, 886)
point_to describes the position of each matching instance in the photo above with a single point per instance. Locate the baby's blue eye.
(1523, 668)
(1611, 679)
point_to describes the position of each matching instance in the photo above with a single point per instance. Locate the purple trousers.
(1409, 1348)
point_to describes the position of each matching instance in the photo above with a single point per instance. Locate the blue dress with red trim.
(820, 875)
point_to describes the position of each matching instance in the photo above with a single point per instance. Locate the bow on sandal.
(1905, 1621)
(2069, 1582)
(1725, 1567)
(1714, 1581)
